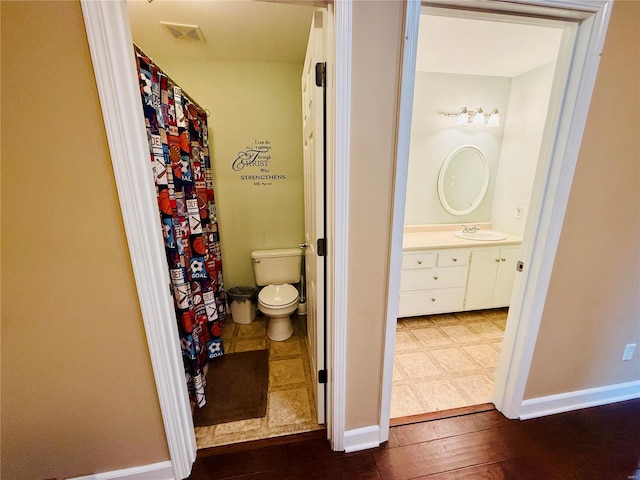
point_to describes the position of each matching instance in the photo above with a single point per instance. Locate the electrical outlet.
(518, 211)
(628, 351)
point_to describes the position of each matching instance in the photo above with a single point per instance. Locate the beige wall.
(375, 80)
(593, 306)
(78, 394)
(250, 101)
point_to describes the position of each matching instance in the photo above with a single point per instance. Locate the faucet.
(470, 228)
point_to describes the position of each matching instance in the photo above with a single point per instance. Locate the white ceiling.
(481, 47)
(277, 30)
(232, 29)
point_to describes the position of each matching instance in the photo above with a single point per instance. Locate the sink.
(481, 235)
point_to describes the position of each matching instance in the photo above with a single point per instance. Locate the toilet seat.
(278, 296)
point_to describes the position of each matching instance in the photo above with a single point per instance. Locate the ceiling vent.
(184, 32)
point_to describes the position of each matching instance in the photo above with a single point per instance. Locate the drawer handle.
(498, 260)
(433, 299)
(503, 259)
(435, 277)
(419, 262)
(454, 259)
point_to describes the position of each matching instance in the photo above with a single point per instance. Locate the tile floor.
(441, 362)
(445, 361)
(290, 402)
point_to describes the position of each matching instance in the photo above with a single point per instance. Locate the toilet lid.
(278, 295)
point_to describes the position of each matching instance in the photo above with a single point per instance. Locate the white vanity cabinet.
(491, 274)
(433, 281)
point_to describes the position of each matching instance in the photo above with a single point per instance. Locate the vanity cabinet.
(433, 281)
(456, 279)
(491, 274)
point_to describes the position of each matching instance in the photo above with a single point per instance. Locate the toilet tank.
(277, 266)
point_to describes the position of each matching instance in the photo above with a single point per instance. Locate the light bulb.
(494, 118)
(463, 117)
(478, 118)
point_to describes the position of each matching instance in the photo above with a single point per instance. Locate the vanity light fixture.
(476, 117)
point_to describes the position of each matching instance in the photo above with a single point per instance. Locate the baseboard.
(155, 471)
(592, 397)
(362, 438)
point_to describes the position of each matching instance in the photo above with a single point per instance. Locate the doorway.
(447, 348)
(109, 39)
(243, 62)
(583, 36)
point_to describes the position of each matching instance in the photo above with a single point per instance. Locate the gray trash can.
(243, 304)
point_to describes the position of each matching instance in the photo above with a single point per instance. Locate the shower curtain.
(179, 155)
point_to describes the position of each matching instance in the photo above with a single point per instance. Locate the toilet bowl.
(275, 271)
(278, 302)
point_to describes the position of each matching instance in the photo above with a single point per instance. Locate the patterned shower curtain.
(179, 154)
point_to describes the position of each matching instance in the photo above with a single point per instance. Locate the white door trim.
(522, 331)
(110, 44)
(539, 253)
(338, 173)
(407, 81)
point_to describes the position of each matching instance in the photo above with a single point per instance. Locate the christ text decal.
(253, 163)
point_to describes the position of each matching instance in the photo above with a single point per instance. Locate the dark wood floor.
(600, 443)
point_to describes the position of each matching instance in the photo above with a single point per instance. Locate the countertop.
(418, 237)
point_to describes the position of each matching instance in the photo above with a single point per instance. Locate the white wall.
(528, 104)
(434, 136)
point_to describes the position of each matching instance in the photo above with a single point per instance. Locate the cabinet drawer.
(438, 278)
(427, 303)
(419, 260)
(450, 258)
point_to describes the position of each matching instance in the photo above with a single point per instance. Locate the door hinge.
(322, 247)
(322, 376)
(321, 74)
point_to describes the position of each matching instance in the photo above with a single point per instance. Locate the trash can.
(243, 304)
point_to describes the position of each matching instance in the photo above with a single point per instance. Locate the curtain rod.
(189, 97)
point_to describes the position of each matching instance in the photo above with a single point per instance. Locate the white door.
(313, 136)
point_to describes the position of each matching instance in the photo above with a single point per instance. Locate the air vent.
(184, 32)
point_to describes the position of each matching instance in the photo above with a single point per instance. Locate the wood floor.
(600, 443)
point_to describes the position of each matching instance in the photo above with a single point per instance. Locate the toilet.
(276, 270)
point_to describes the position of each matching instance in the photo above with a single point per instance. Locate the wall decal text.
(254, 161)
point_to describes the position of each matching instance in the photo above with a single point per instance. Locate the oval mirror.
(463, 180)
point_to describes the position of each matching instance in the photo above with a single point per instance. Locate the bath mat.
(237, 386)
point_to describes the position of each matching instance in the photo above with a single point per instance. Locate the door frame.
(542, 232)
(110, 45)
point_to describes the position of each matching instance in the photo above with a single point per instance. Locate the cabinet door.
(482, 277)
(505, 276)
